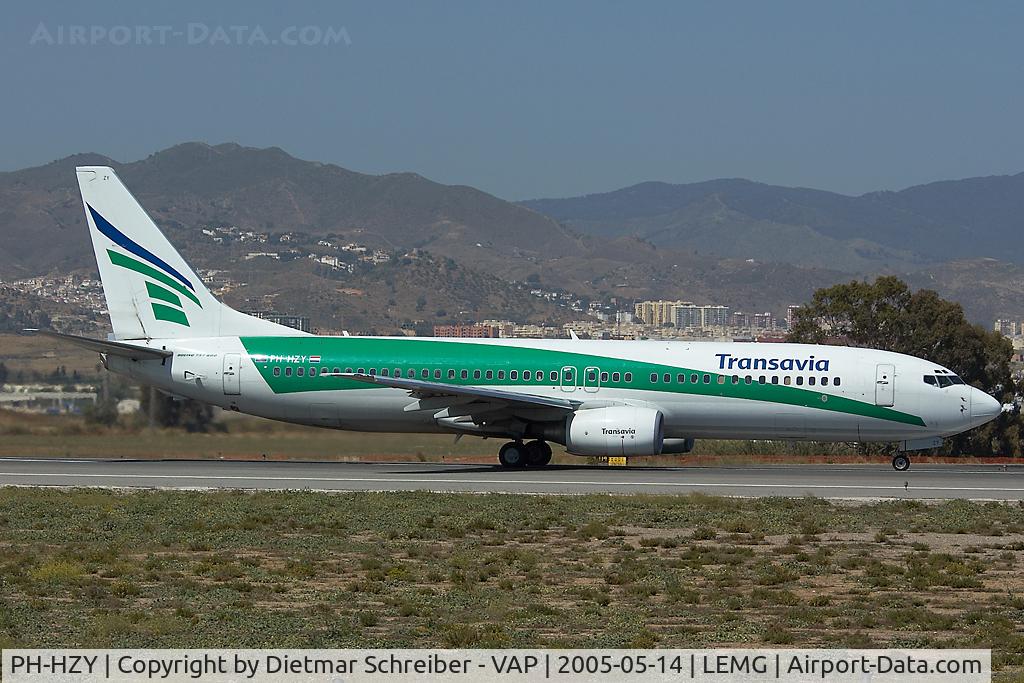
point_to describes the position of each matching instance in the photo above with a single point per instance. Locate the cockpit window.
(942, 380)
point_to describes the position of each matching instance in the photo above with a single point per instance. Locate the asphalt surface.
(987, 482)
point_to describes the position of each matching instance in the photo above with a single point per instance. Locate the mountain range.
(735, 218)
(744, 244)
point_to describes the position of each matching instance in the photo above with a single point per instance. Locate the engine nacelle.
(677, 446)
(618, 430)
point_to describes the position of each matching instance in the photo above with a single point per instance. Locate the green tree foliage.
(102, 412)
(885, 314)
(192, 416)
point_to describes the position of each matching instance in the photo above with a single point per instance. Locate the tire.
(512, 455)
(901, 463)
(538, 453)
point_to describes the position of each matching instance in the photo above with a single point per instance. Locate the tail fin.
(151, 291)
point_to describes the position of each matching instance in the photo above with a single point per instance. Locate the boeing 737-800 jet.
(619, 398)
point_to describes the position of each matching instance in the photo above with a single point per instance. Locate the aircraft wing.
(112, 348)
(458, 394)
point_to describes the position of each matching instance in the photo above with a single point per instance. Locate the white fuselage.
(742, 390)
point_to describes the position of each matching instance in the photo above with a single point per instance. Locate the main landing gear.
(516, 454)
(901, 462)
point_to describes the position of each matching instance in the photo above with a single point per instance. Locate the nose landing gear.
(901, 462)
(516, 454)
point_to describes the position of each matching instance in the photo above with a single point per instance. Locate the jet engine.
(617, 430)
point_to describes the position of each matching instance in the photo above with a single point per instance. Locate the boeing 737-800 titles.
(619, 398)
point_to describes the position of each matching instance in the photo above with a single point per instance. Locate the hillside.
(975, 217)
(750, 246)
(194, 184)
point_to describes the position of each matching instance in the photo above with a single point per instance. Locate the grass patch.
(233, 569)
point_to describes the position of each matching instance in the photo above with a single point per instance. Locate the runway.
(982, 482)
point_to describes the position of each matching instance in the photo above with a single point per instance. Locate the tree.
(885, 314)
(193, 416)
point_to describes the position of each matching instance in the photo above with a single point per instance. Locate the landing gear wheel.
(512, 455)
(538, 453)
(901, 463)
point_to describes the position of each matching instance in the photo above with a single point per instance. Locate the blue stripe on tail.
(122, 240)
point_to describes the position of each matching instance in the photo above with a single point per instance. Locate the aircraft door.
(591, 379)
(568, 378)
(885, 385)
(231, 374)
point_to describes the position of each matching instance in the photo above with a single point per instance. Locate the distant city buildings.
(791, 315)
(1009, 328)
(298, 322)
(477, 331)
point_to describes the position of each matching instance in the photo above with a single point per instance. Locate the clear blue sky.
(529, 99)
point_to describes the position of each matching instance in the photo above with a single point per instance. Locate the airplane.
(596, 398)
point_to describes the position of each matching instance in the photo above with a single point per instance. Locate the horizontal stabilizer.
(112, 348)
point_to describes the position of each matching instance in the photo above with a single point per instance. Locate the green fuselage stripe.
(140, 267)
(171, 315)
(268, 353)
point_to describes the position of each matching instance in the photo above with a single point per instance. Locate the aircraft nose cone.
(984, 407)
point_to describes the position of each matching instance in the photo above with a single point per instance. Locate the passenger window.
(787, 380)
(300, 372)
(553, 375)
(824, 381)
(761, 379)
(566, 376)
(836, 382)
(811, 381)
(277, 372)
(667, 378)
(681, 379)
(312, 372)
(800, 380)
(373, 371)
(527, 375)
(410, 373)
(464, 374)
(615, 376)
(424, 373)
(539, 374)
(748, 379)
(604, 377)
(384, 372)
(348, 370)
(337, 371)
(693, 378)
(775, 380)
(628, 377)
(437, 373)
(489, 374)
(451, 373)
(592, 376)
(476, 374)
(287, 372)
(707, 379)
(735, 379)
(654, 377)
(361, 371)
(513, 375)
(397, 373)
(721, 379)
(501, 374)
